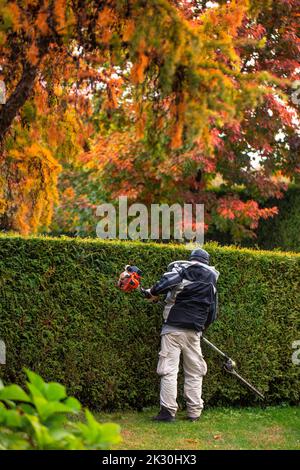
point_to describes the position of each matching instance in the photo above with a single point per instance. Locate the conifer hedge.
(62, 316)
(283, 230)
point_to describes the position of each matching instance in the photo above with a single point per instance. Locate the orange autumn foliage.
(148, 96)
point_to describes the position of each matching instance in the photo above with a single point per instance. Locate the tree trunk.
(17, 99)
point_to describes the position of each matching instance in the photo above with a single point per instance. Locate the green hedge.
(283, 230)
(62, 316)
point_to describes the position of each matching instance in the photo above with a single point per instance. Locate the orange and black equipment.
(130, 279)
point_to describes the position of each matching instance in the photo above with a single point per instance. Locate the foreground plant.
(39, 418)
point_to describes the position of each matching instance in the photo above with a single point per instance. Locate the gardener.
(191, 303)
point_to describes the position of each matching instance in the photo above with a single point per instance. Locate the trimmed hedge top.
(62, 316)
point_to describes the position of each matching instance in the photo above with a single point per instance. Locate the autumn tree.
(191, 82)
(232, 117)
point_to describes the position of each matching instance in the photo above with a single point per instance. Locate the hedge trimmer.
(130, 280)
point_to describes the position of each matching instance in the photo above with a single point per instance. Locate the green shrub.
(282, 231)
(37, 419)
(62, 316)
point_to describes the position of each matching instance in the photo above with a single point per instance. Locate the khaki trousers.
(194, 366)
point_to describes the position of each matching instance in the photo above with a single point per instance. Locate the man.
(191, 303)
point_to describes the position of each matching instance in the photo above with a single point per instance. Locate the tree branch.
(17, 99)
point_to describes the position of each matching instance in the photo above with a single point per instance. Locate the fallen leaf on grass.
(192, 441)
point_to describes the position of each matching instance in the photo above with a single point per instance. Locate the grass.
(218, 428)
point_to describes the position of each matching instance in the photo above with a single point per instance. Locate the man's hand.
(149, 296)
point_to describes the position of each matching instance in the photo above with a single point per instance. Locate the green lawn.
(219, 428)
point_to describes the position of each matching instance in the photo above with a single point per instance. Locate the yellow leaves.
(33, 150)
(223, 21)
(3, 205)
(233, 18)
(57, 90)
(44, 154)
(19, 222)
(53, 136)
(3, 202)
(35, 194)
(262, 43)
(16, 154)
(71, 119)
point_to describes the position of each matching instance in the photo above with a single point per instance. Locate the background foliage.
(281, 232)
(62, 316)
(156, 100)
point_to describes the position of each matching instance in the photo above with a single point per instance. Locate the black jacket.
(191, 294)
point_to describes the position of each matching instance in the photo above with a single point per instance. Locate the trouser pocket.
(162, 366)
(202, 366)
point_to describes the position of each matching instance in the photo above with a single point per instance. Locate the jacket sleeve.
(166, 282)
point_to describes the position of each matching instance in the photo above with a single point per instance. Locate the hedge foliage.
(62, 316)
(282, 231)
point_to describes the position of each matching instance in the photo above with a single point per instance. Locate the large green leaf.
(13, 419)
(97, 435)
(36, 380)
(40, 421)
(41, 432)
(54, 391)
(27, 408)
(15, 393)
(35, 392)
(73, 404)
(47, 409)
